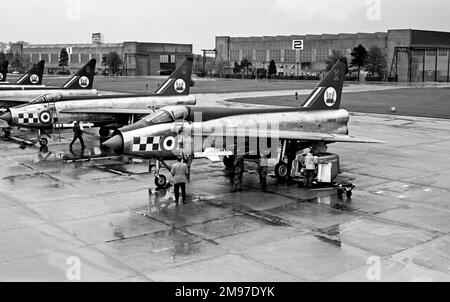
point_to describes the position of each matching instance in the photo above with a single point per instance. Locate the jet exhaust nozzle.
(5, 118)
(115, 143)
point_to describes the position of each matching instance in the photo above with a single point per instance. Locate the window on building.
(322, 55)
(45, 57)
(84, 58)
(164, 58)
(275, 54)
(248, 54)
(74, 58)
(306, 55)
(54, 58)
(234, 55)
(289, 55)
(260, 55)
(166, 64)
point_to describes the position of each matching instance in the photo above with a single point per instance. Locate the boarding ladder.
(54, 116)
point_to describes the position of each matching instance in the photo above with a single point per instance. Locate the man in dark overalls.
(238, 173)
(77, 134)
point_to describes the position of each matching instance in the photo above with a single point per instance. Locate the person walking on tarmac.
(179, 171)
(263, 165)
(310, 164)
(77, 134)
(238, 173)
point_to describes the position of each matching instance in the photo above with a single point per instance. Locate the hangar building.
(411, 55)
(139, 58)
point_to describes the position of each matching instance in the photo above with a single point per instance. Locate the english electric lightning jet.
(32, 78)
(79, 85)
(250, 132)
(51, 111)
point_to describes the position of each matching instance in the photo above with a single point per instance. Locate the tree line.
(371, 60)
(111, 61)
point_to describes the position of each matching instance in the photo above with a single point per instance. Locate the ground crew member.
(238, 173)
(179, 172)
(77, 134)
(263, 166)
(310, 164)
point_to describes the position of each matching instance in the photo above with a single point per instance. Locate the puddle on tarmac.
(180, 244)
(158, 201)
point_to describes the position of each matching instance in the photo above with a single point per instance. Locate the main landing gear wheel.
(104, 132)
(281, 170)
(43, 141)
(160, 181)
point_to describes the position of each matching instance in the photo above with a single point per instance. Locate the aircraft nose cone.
(7, 117)
(115, 143)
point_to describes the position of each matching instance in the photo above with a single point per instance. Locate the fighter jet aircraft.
(32, 78)
(48, 112)
(279, 133)
(3, 71)
(80, 84)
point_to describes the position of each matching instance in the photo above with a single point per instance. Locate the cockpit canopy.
(46, 98)
(43, 99)
(165, 115)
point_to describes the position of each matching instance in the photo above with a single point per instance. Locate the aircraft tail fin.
(3, 71)
(327, 95)
(179, 82)
(84, 78)
(34, 75)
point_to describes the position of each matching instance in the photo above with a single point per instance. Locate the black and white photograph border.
(225, 141)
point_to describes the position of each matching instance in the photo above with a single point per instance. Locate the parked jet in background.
(50, 111)
(316, 124)
(32, 78)
(79, 85)
(3, 71)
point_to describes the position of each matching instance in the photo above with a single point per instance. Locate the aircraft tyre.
(43, 141)
(281, 170)
(160, 181)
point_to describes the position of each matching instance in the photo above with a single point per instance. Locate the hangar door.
(142, 65)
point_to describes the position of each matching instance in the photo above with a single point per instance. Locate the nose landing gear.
(160, 179)
(43, 141)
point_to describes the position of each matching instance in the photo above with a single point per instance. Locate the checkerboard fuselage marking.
(28, 118)
(143, 144)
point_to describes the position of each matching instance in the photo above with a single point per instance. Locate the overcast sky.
(199, 21)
